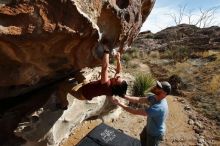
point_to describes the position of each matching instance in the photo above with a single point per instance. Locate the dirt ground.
(179, 132)
(187, 125)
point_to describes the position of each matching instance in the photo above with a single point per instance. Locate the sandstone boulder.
(44, 40)
(51, 126)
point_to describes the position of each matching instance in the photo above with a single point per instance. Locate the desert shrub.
(133, 52)
(154, 54)
(126, 57)
(167, 54)
(130, 54)
(183, 53)
(142, 83)
(132, 65)
(178, 54)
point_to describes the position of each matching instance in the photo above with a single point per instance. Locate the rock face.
(44, 40)
(189, 36)
(50, 126)
(38, 121)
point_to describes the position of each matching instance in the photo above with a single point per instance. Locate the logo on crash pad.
(108, 135)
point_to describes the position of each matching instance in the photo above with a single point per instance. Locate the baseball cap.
(165, 86)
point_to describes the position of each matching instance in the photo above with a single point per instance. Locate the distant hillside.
(187, 36)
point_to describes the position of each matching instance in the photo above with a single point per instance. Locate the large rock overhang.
(44, 40)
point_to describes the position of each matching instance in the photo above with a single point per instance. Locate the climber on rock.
(105, 86)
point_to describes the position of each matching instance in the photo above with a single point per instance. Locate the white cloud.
(159, 18)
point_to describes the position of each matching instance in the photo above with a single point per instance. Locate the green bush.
(142, 83)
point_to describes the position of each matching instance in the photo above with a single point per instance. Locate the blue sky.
(159, 17)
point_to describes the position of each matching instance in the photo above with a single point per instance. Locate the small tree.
(205, 18)
(177, 18)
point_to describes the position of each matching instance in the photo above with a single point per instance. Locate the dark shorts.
(149, 140)
(77, 92)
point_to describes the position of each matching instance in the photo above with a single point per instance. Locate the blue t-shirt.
(156, 116)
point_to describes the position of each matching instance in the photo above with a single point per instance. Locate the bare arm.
(118, 63)
(136, 99)
(105, 64)
(141, 112)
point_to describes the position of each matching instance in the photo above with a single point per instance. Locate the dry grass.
(179, 54)
(202, 54)
(154, 54)
(183, 70)
(214, 84)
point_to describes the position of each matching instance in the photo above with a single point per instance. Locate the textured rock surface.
(189, 36)
(43, 40)
(49, 126)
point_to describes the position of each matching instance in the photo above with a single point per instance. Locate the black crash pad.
(104, 135)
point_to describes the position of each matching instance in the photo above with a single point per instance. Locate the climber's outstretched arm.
(135, 99)
(141, 112)
(118, 65)
(105, 64)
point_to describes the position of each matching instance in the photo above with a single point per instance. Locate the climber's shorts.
(77, 92)
(80, 95)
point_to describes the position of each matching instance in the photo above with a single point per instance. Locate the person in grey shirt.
(156, 113)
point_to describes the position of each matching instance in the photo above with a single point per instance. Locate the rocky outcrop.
(44, 40)
(39, 122)
(186, 36)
